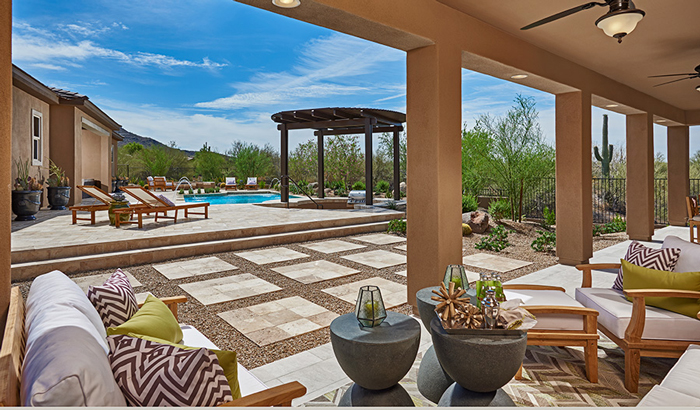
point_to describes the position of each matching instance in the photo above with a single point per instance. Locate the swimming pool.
(234, 198)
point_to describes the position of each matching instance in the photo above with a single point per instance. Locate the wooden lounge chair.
(252, 183)
(99, 195)
(693, 219)
(231, 184)
(152, 204)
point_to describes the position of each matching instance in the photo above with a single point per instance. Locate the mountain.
(147, 142)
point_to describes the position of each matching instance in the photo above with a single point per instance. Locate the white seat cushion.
(684, 377)
(230, 181)
(248, 383)
(549, 298)
(615, 313)
(663, 397)
(689, 259)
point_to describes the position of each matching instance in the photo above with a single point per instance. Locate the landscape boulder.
(477, 220)
(403, 188)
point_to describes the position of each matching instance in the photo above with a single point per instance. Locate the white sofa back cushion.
(689, 261)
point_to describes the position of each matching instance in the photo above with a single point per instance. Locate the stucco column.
(678, 173)
(5, 155)
(574, 177)
(434, 100)
(640, 177)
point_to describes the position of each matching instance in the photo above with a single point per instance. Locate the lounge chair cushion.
(166, 200)
(252, 181)
(640, 255)
(115, 300)
(662, 397)
(689, 259)
(153, 319)
(230, 180)
(549, 298)
(615, 313)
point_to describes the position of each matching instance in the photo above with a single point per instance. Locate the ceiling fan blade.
(670, 75)
(675, 81)
(563, 14)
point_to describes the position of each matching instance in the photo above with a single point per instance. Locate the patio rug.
(555, 377)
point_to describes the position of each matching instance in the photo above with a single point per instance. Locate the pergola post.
(369, 198)
(397, 166)
(5, 155)
(678, 143)
(321, 181)
(640, 176)
(284, 163)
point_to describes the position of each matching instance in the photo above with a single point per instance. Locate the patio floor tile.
(265, 256)
(194, 267)
(377, 259)
(316, 271)
(97, 280)
(402, 273)
(333, 246)
(402, 247)
(393, 294)
(493, 262)
(278, 320)
(381, 239)
(228, 288)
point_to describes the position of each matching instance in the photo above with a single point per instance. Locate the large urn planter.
(58, 197)
(25, 204)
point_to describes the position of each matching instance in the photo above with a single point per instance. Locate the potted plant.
(26, 196)
(59, 187)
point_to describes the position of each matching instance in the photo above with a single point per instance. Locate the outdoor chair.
(231, 184)
(160, 183)
(561, 321)
(150, 183)
(99, 195)
(252, 183)
(152, 204)
(693, 219)
(636, 328)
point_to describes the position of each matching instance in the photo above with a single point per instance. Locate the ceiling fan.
(618, 22)
(689, 76)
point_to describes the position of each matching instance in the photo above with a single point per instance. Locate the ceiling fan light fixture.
(287, 4)
(611, 106)
(619, 23)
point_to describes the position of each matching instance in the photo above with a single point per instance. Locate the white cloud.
(49, 66)
(85, 29)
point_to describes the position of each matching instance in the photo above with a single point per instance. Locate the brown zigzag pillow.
(640, 255)
(115, 300)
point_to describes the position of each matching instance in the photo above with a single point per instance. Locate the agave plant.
(57, 176)
(24, 182)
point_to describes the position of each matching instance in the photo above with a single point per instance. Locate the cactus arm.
(597, 154)
(611, 153)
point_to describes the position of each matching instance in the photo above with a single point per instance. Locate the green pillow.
(227, 360)
(153, 319)
(637, 277)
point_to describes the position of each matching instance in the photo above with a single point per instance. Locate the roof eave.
(32, 86)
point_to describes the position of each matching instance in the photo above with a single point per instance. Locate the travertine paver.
(493, 262)
(377, 259)
(96, 280)
(194, 267)
(402, 273)
(271, 322)
(141, 297)
(381, 239)
(401, 247)
(265, 256)
(228, 288)
(393, 294)
(316, 271)
(333, 246)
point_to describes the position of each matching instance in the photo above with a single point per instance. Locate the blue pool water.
(233, 198)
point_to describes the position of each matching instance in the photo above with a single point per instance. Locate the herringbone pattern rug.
(555, 377)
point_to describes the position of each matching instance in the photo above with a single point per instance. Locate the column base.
(458, 396)
(643, 238)
(572, 262)
(357, 396)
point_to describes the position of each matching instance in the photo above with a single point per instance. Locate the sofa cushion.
(153, 319)
(166, 200)
(637, 277)
(640, 255)
(684, 377)
(153, 374)
(115, 300)
(663, 397)
(689, 259)
(549, 298)
(615, 312)
(68, 367)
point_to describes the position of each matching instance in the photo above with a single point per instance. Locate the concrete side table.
(376, 358)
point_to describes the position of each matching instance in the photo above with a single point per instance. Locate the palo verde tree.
(250, 160)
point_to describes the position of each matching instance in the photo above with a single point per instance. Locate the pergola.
(340, 121)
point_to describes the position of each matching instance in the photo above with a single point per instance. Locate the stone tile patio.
(402, 273)
(333, 246)
(402, 248)
(377, 259)
(493, 262)
(195, 267)
(273, 255)
(381, 239)
(393, 294)
(272, 322)
(228, 288)
(97, 280)
(316, 271)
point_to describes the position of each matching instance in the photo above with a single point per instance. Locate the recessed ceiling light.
(287, 4)
(611, 106)
(697, 88)
(518, 76)
(661, 120)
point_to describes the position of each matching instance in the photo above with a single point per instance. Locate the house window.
(37, 131)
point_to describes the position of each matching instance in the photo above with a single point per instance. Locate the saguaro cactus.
(606, 157)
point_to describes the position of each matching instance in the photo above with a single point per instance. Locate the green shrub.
(209, 191)
(397, 225)
(181, 191)
(499, 209)
(466, 230)
(298, 190)
(391, 205)
(550, 218)
(358, 186)
(546, 242)
(496, 241)
(199, 190)
(261, 184)
(340, 192)
(616, 225)
(382, 187)
(469, 203)
(191, 191)
(217, 189)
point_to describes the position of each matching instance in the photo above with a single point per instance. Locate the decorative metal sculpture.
(450, 302)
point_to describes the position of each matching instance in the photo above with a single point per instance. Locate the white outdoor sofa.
(680, 386)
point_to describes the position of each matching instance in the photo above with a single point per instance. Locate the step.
(28, 270)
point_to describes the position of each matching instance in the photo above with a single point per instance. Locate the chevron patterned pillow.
(115, 300)
(640, 255)
(152, 374)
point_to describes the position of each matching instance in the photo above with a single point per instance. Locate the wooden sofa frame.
(12, 356)
(632, 344)
(694, 225)
(586, 338)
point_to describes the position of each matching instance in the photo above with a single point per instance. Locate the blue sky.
(215, 70)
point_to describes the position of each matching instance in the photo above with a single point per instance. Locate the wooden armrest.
(275, 396)
(564, 310)
(635, 329)
(171, 302)
(662, 293)
(587, 268)
(518, 286)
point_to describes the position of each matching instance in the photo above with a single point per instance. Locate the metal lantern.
(369, 308)
(456, 274)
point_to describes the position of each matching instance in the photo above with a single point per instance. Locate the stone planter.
(25, 204)
(58, 197)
